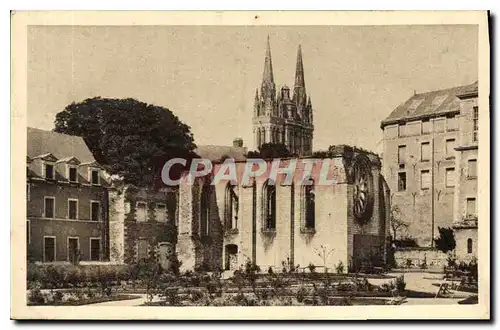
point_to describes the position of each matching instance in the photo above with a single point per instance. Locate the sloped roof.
(215, 153)
(430, 104)
(60, 145)
(469, 90)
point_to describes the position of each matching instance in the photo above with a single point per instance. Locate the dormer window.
(94, 177)
(72, 174)
(49, 171)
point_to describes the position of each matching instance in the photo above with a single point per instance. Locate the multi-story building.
(67, 201)
(426, 150)
(283, 118)
(465, 212)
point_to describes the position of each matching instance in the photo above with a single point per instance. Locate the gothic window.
(469, 245)
(205, 210)
(231, 207)
(309, 206)
(269, 203)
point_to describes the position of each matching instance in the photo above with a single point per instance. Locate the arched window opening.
(310, 206)
(269, 203)
(205, 210)
(231, 207)
(469, 245)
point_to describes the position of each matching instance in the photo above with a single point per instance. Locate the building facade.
(281, 117)
(270, 223)
(67, 200)
(465, 212)
(426, 150)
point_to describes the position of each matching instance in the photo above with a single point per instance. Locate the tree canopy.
(128, 137)
(446, 240)
(270, 150)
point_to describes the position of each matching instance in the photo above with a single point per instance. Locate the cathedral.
(283, 118)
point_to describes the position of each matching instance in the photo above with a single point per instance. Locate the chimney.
(238, 143)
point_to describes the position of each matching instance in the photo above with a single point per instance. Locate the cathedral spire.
(299, 90)
(299, 70)
(268, 77)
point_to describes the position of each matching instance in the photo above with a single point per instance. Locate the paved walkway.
(141, 299)
(432, 301)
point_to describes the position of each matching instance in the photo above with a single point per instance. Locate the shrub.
(270, 270)
(340, 267)
(35, 273)
(240, 299)
(311, 267)
(452, 261)
(446, 240)
(35, 296)
(301, 294)
(58, 296)
(196, 295)
(409, 263)
(171, 295)
(400, 284)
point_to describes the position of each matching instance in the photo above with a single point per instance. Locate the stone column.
(117, 212)
(186, 246)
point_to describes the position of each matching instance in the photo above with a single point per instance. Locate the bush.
(35, 296)
(311, 267)
(446, 240)
(400, 284)
(196, 295)
(340, 268)
(63, 276)
(58, 296)
(301, 294)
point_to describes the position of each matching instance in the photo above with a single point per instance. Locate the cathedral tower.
(283, 118)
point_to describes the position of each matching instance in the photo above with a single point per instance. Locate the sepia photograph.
(302, 165)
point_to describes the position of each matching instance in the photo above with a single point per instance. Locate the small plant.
(58, 296)
(409, 263)
(400, 284)
(340, 268)
(311, 267)
(301, 294)
(324, 253)
(270, 270)
(423, 265)
(451, 260)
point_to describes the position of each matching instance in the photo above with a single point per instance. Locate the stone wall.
(126, 230)
(434, 258)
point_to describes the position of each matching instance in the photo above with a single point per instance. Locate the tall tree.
(397, 222)
(128, 137)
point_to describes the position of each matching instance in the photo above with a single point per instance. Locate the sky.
(207, 75)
